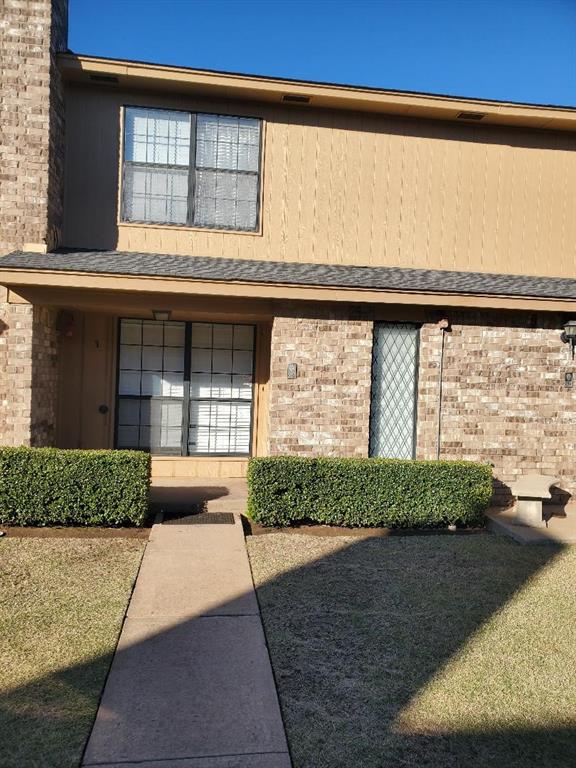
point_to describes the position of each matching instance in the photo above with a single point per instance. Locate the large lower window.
(185, 388)
(394, 381)
(191, 169)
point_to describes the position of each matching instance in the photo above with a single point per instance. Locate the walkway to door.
(191, 684)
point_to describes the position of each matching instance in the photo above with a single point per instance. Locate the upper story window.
(188, 169)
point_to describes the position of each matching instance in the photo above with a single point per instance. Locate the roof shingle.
(291, 273)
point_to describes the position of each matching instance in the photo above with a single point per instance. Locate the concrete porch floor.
(560, 527)
(213, 494)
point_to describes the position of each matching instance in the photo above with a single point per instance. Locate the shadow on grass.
(357, 636)
(354, 636)
(45, 724)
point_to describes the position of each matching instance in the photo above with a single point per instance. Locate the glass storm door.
(185, 388)
(151, 385)
(221, 386)
(394, 380)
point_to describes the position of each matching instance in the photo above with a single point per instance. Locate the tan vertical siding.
(347, 188)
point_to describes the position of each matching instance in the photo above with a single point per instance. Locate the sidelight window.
(394, 380)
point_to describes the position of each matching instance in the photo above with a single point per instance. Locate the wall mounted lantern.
(161, 314)
(569, 335)
(65, 323)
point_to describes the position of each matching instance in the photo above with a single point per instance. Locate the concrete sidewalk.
(560, 526)
(191, 684)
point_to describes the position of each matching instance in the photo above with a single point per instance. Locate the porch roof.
(225, 270)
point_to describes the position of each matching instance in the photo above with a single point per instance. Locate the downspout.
(445, 327)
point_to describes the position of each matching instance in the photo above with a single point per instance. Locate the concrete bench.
(530, 490)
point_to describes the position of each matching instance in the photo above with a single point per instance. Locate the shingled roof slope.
(291, 273)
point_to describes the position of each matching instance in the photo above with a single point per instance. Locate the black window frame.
(183, 452)
(192, 169)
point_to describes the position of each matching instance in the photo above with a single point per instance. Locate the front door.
(185, 388)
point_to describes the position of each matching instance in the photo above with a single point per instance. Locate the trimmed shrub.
(392, 493)
(50, 486)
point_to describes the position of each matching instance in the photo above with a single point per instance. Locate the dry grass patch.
(62, 602)
(421, 651)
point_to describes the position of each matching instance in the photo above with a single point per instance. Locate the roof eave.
(131, 74)
(18, 279)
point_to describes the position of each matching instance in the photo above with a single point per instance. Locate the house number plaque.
(292, 371)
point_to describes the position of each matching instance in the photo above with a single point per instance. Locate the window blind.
(191, 169)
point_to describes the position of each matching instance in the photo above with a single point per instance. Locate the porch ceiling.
(208, 276)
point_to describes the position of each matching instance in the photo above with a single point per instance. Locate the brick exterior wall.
(32, 116)
(30, 349)
(504, 398)
(44, 384)
(429, 389)
(31, 195)
(325, 411)
(503, 395)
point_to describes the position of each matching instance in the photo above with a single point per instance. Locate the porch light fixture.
(65, 323)
(161, 314)
(569, 334)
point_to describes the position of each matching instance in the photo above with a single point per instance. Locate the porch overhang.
(50, 274)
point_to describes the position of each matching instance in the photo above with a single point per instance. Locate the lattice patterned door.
(394, 379)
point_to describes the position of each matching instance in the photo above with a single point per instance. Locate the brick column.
(31, 194)
(29, 353)
(325, 411)
(32, 115)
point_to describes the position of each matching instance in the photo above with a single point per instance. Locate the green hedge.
(392, 493)
(49, 486)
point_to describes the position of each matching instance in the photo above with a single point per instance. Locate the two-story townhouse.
(211, 266)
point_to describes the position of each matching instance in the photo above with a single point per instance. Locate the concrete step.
(236, 506)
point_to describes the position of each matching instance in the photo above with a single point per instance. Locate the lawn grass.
(62, 602)
(421, 651)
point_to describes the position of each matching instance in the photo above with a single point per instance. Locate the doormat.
(204, 518)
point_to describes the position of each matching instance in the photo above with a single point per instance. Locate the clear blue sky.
(520, 50)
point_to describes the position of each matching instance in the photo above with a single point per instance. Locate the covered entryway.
(192, 388)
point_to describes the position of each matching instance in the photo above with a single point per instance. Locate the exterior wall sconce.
(569, 335)
(65, 323)
(161, 314)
